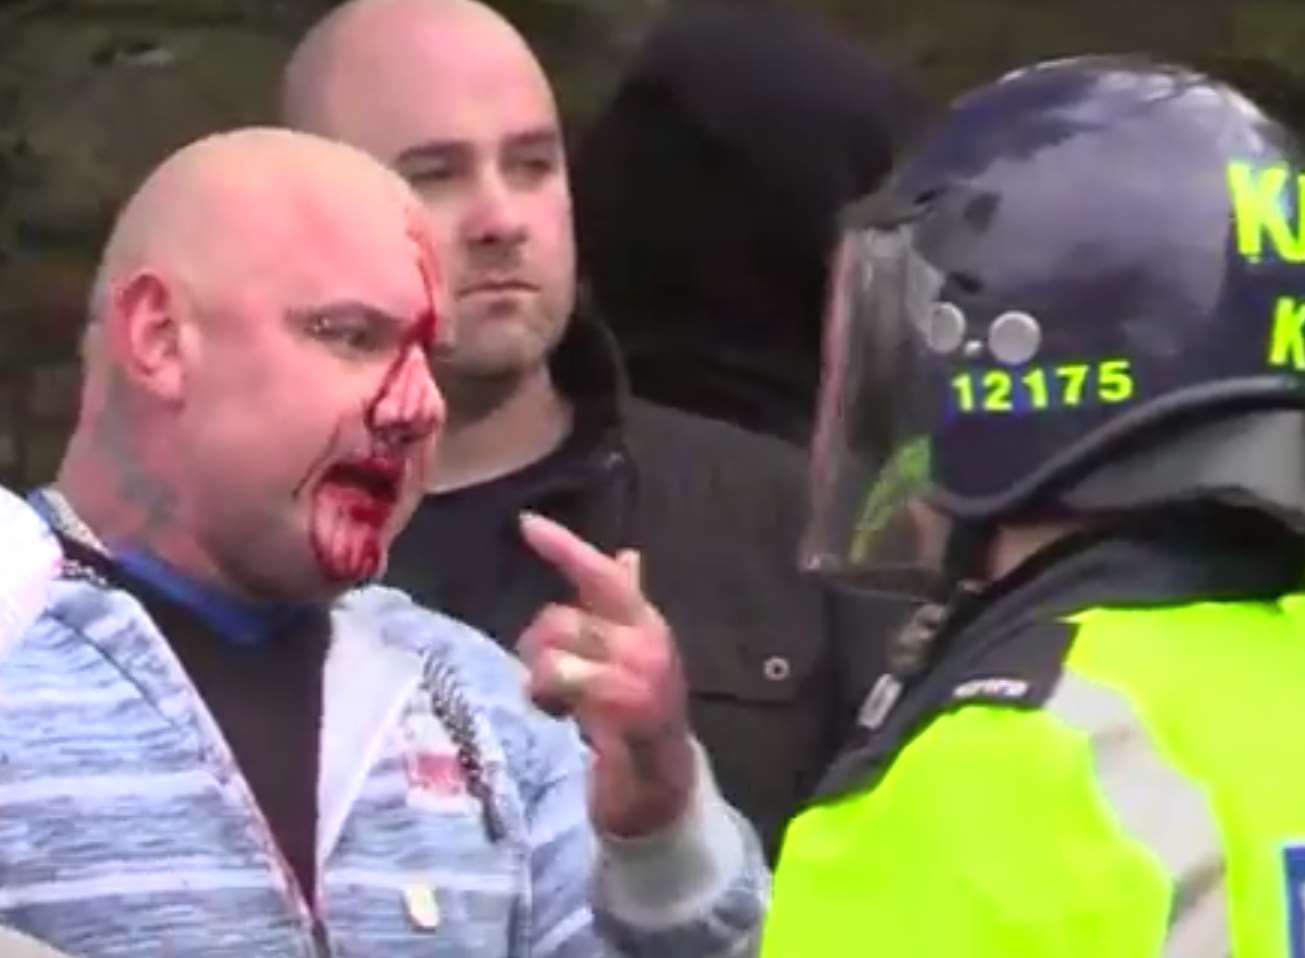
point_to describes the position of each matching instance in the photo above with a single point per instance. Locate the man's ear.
(145, 334)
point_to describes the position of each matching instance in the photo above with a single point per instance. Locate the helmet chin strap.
(965, 555)
(964, 571)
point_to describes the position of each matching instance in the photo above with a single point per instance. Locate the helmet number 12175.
(1038, 388)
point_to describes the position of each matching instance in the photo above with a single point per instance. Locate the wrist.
(674, 873)
(663, 775)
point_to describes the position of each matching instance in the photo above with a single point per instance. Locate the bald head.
(265, 306)
(384, 57)
(216, 203)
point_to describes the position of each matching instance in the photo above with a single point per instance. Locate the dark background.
(94, 92)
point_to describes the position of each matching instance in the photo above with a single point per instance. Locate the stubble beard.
(486, 374)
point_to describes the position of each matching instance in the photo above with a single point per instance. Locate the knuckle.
(558, 619)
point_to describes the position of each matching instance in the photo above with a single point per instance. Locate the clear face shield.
(870, 523)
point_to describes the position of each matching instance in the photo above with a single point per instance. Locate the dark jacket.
(707, 194)
(717, 513)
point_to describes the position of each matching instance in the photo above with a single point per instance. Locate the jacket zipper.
(309, 915)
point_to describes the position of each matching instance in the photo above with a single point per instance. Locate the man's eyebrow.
(542, 137)
(346, 309)
(432, 150)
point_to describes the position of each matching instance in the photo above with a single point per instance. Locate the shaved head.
(376, 56)
(258, 407)
(197, 217)
(448, 94)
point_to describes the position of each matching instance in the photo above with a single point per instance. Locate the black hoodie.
(706, 198)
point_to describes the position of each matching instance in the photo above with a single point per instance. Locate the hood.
(708, 189)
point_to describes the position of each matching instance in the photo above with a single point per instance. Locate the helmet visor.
(870, 463)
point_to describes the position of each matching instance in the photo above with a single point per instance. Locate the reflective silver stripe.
(1158, 806)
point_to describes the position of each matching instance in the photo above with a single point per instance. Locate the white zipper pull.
(423, 909)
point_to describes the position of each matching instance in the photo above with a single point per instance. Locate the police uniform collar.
(1006, 644)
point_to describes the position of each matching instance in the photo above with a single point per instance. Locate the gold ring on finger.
(572, 672)
(590, 640)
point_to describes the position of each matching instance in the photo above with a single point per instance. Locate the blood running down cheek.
(353, 504)
(427, 324)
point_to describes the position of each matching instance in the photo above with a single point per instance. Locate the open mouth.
(378, 478)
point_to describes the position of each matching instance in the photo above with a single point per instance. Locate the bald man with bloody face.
(257, 406)
(218, 740)
(448, 94)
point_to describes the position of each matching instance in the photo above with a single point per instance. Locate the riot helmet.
(1089, 264)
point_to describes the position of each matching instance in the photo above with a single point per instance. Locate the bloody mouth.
(354, 501)
(367, 488)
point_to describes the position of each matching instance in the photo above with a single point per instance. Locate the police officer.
(1064, 390)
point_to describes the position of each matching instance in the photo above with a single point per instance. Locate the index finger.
(604, 585)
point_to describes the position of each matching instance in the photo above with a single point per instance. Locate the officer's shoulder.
(687, 442)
